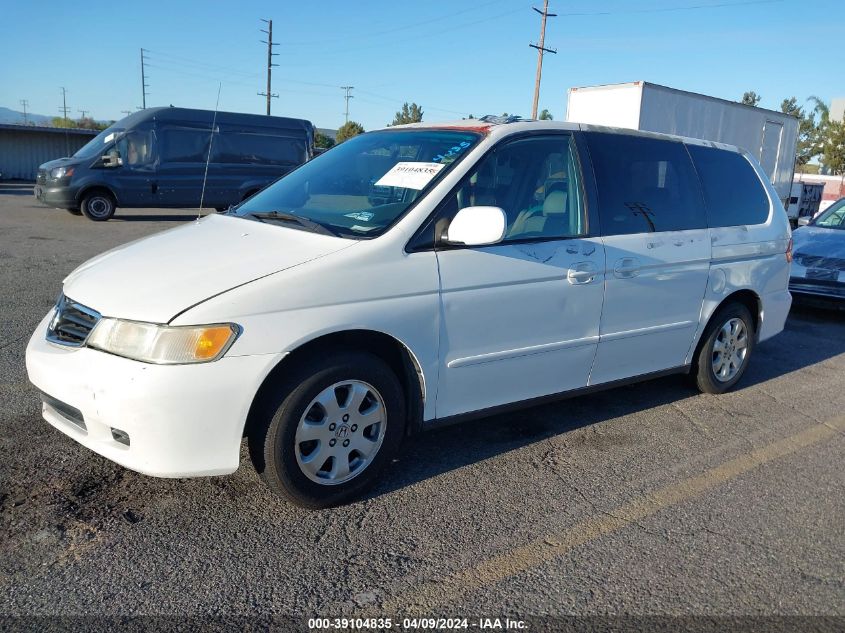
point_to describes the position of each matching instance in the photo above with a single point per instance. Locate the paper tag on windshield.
(410, 175)
(108, 138)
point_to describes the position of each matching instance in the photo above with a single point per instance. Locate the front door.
(135, 177)
(658, 254)
(520, 319)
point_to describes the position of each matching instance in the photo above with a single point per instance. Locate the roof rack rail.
(504, 118)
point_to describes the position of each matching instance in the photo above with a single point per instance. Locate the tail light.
(789, 251)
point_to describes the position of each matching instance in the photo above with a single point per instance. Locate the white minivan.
(412, 277)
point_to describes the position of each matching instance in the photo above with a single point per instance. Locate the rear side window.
(645, 185)
(733, 192)
(258, 149)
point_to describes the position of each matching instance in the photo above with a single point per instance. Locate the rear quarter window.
(732, 190)
(645, 184)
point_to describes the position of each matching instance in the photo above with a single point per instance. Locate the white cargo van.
(411, 277)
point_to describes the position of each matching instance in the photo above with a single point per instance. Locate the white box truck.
(770, 136)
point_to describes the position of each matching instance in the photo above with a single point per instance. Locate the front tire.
(726, 348)
(328, 429)
(98, 206)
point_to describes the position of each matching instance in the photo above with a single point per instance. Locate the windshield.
(363, 185)
(96, 146)
(833, 217)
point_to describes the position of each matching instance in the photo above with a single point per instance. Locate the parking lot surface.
(649, 499)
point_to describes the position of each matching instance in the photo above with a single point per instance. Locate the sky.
(451, 57)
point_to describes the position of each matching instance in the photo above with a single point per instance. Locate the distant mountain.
(13, 116)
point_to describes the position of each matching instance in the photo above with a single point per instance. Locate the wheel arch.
(396, 354)
(84, 191)
(745, 296)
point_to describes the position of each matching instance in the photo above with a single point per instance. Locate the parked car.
(409, 278)
(818, 272)
(157, 158)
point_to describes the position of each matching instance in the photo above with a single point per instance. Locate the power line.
(144, 84)
(347, 97)
(269, 94)
(541, 49)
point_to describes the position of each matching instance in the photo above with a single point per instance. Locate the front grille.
(41, 178)
(819, 261)
(72, 323)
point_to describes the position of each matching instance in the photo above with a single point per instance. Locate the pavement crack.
(690, 419)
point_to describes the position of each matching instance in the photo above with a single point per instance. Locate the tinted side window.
(733, 192)
(257, 149)
(184, 145)
(644, 185)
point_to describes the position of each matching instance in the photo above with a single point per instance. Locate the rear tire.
(98, 205)
(725, 350)
(328, 428)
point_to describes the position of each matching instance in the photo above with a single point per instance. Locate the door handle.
(582, 273)
(627, 267)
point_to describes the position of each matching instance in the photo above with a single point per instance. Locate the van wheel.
(328, 428)
(726, 349)
(98, 206)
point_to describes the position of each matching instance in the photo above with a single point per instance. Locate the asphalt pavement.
(646, 500)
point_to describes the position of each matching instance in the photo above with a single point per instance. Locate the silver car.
(818, 268)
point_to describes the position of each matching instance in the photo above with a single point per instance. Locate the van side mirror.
(477, 226)
(112, 159)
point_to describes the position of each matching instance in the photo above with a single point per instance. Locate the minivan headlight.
(61, 172)
(162, 344)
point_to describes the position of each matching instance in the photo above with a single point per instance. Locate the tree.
(545, 115)
(833, 147)
(87, 123)
(323, 141)
(807, 146)
(347, 131)
(62, 122)
(750, 98)
(408, 114)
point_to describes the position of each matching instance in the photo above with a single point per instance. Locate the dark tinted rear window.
(734, 194)
(645, 185)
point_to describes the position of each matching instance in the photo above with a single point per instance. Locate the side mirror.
(804, 220)
(112, 159)
(477, 226)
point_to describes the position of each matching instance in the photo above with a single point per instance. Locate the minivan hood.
(156, 278)
(61, 162)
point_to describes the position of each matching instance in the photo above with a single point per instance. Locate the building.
(837, 109)
(24, 147)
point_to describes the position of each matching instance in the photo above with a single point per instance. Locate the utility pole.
(347, 96)
(83, 112)
(64, 107)
(269, 94)
(144, 84)
(540, 50)
(126, 112)
(25, 104)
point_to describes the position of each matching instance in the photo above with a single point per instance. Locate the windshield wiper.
(311, 225)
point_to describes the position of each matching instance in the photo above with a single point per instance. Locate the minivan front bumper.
(60, 197)
(180, 420)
